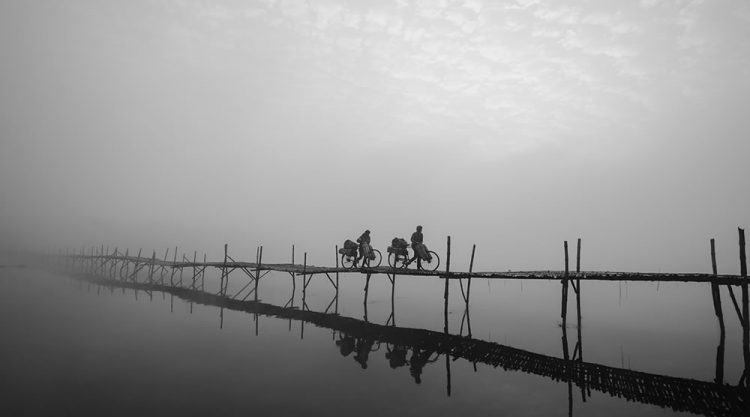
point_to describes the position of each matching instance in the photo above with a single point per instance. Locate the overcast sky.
(512, 124)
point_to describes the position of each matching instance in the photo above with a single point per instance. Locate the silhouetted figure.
(396, 356)
(364, 346)
(365, 250)
(345, 344)
(418, 361)
(417, 244)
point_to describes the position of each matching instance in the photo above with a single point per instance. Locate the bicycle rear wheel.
(347, 261)
(432, 264)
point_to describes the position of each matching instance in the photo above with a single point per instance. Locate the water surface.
(75, 348)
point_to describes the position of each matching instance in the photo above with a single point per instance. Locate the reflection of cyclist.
(418, 361)
(417, 244)
(345, 344)
(365, 251)
(396, 356)
(364, 346)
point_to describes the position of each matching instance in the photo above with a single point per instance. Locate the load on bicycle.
(398, 253)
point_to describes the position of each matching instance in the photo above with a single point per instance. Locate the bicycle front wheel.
(375, 261)
(433, 263)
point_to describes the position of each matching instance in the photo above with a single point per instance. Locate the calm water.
(74, 348)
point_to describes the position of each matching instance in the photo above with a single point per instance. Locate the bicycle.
(398, 257)
(349, 258)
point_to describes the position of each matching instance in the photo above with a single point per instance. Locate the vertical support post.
(126, 265)
(174, 267)
(257, 277)
(564, 314)
(564, 303)
(582, 381)
(445, 294)
(716, 295)
(743, 259)
(445, 318)
(224, 277)
(336, 308)
(745, 314)
(367, 290)
(203, 273)
(393, 297)
(151, 268)
(304, 282)
(448, 257)
(195, 269)
(471, 269)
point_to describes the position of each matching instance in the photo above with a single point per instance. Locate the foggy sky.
(514, 125)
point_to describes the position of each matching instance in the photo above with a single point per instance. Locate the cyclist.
(417, 244)
(365, 251)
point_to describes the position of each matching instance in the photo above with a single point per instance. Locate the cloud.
(517, 67)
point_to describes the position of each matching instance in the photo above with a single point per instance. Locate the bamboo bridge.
(169, 276)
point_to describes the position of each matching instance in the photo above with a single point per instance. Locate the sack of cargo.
(349, 245)
(398, 242)
(421, 250)
(367, 252)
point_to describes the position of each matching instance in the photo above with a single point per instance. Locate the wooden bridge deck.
(679, 394)
(300, 269)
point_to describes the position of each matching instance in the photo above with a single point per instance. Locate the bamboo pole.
(716, 295)
(336, 258)
(743, 259)
(564, 303)
(203, 273)
(471, 269)
(448, 257)
(447, 270)
(151, 268)
(336, 308)
(224, 274)
(745, 313)
(257, 278)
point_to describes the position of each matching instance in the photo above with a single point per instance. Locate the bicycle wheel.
(375, 262)
(347, 261)
(396, 261)
(433, 264)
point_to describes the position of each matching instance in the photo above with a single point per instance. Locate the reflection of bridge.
(680, 394)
